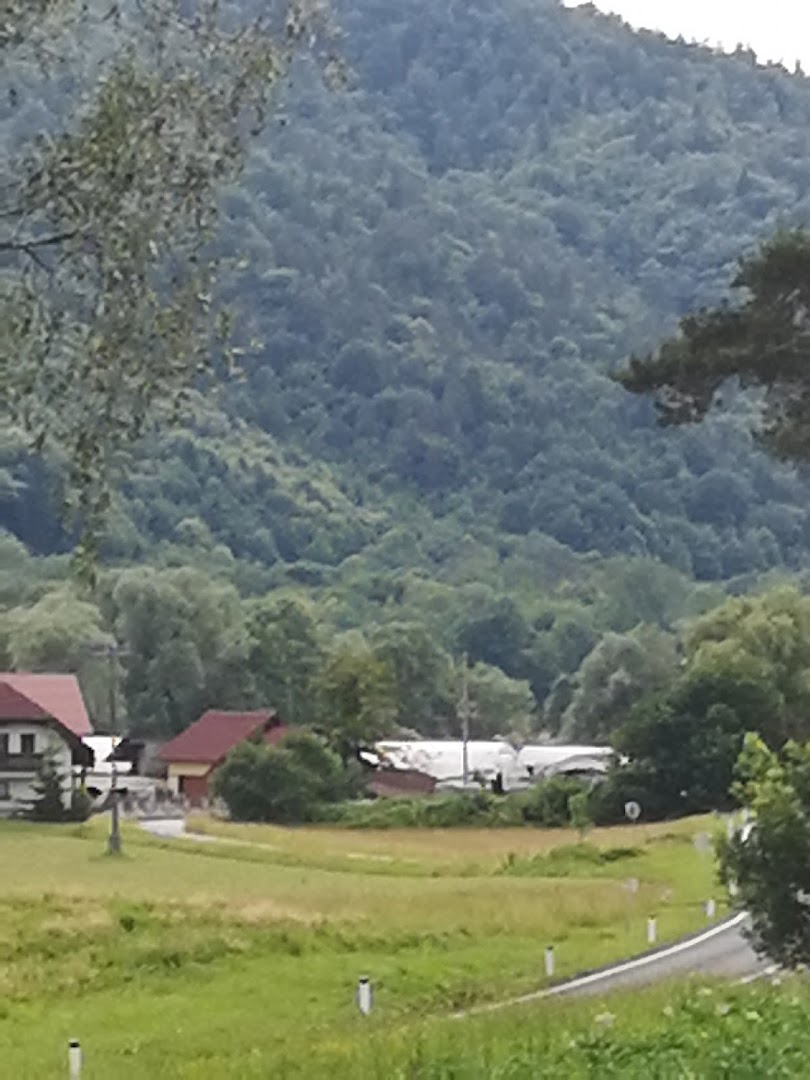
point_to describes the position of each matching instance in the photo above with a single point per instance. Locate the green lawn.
(240, 959)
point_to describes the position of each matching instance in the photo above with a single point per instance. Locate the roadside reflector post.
(711, 909)
(74, 1059)
(550, 962)
(652, 930)
(365, 996)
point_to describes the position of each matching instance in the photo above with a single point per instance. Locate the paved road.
(721, 951)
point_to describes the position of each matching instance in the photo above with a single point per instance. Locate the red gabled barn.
(193, 755)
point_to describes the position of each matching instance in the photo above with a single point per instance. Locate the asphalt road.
(720, 951)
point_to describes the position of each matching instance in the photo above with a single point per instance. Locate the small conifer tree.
(48, 804)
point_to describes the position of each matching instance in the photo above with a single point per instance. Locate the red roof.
(26, 696)
(209, 739)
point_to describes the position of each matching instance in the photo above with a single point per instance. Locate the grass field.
(240, 959)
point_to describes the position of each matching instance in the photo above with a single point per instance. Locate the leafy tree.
(764, 638)
(620, 670)
(770, 864)
(285, 657)
(108, 304)
(357, 694)
(422, 675)
(497, 637)
(188, 647)
(54, 634)
(690, 738)
(502, 706)
(284, 783)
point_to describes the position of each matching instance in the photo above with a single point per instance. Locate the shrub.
(569, 860)
(284, 783)
(80, 805)
(546, 805)
(547, 802)
(635, 782)
(48, 804)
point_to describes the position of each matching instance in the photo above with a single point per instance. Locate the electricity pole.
(463, 713)
(112, 652)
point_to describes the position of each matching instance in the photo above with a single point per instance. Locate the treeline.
(679, 727)
(191, 638)
(188, 642)
(674, 693)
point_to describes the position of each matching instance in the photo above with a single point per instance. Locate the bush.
(569, 860)
(547, 803)
(635, 782)
(284, 783)
(80, 805)
(48, 804)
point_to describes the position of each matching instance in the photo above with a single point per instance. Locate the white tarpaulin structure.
(443, 759)
(102, 747)
(551, 760)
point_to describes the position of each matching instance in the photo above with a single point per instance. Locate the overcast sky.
(775, 29)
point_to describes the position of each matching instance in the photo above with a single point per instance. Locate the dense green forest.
(437, 269)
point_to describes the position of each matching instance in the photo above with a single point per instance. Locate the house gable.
(28, 696)
(208, 740)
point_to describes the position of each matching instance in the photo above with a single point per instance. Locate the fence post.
(550, 962)
(74, 1059)
(364, 996)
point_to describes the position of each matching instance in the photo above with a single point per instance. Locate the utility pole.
(112, 652)
(463, 712)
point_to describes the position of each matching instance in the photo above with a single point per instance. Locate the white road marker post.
(365, 996)
(550, 962)
(711, 909)
(652, 930)
(74, 1059)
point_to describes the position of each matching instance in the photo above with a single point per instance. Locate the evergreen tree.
(48, 804)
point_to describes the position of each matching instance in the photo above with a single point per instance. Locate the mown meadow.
(240, 959)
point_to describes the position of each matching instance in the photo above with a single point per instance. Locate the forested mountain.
(438, 268)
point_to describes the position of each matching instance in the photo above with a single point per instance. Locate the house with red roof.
(194, 754)
(39, 713)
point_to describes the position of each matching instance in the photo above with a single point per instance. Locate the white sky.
(775, 29)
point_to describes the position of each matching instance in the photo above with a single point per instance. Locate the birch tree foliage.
(109, 248)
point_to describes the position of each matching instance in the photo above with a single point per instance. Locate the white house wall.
(21, 783)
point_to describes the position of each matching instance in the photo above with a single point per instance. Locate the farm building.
(195, 753)
(39, 714)
(493, 761)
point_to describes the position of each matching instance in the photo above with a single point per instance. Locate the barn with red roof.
(194, 754)
(39, 713)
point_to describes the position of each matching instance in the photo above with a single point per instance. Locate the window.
(5, 790)
(27, 744)
(4, 745)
